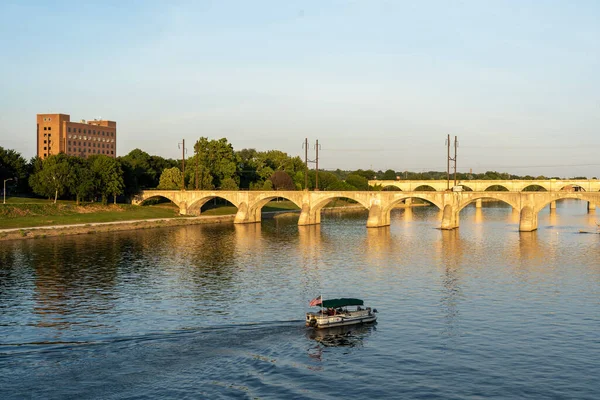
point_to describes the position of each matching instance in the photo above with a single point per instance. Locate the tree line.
(214, 164)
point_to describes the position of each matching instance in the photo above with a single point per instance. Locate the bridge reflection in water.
(378, 203)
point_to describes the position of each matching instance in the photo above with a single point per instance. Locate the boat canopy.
(335, 303)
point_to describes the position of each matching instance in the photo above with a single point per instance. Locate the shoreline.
(41, 232)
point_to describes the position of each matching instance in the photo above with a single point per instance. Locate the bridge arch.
(496, 187)
(311, 213)
(534, 187)
(565, 195)
(400, 198)
(572, 188)
(391, 188)
(425, 188)
(156, 196)
(195, 206)
(483, 196)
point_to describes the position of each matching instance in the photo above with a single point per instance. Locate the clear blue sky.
(379, 83)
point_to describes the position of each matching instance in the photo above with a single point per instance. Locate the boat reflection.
(342, 336)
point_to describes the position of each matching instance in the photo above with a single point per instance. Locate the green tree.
(170, 179)
(358, 182)
(229, 184)
(108, 176)
(14, 166)
(247, 166)
(205, 179)
(389, 175)
(52, 178)
(81, 178)
(218, 157)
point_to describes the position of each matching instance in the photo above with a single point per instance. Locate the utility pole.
(317, 165)
(182, 147)
(451, 159)
(455, 147)
(196, 158)
(6, 180)
(305, 145)
(448, 167)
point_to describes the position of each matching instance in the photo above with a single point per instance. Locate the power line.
(412, 148)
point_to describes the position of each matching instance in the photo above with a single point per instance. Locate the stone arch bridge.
(379, 203)
(513, 185)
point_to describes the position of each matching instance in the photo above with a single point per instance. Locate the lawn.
(22, 213)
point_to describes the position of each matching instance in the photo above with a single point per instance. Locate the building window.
(49, 128)
(79, 130)
(112, 152)
(45, 148)
(68, 129)
(45, 154)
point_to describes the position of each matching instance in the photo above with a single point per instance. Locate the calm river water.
(216, 311)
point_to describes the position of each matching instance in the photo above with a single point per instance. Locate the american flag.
(315, 302)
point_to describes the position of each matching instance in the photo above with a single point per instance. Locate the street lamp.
(6, 180)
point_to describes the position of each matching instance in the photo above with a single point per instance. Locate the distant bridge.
(516, 185)
(378, 203)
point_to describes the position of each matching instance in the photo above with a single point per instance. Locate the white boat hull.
(321, 320)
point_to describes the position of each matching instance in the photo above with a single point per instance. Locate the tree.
(282, 181)
(52, 178)
(389, 175)
(369, 174)
(170, 179)
(247, 165)
(229, 184)
(81, 178)
(205, 179)
(138, 174)
(14, 166)
(108, 176)
(218, 157)
(358, 182)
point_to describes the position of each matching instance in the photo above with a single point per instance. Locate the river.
(216, 311)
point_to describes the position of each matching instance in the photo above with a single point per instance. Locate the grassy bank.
(26, 213)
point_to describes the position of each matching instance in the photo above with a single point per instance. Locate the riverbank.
(117, 218)
(103, 227)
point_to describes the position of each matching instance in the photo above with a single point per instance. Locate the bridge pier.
(245, 215)
(478, 203)
(450, 217)
(408, 202)
(183, 208)
(308, 216)
(377, 217)
(591, 206)
(529, 219)
(553, 205)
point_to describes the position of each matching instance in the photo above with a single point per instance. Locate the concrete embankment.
(39, 232)
(91, 228)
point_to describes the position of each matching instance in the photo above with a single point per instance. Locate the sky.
(380, 84)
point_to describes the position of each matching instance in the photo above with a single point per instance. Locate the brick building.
(56, 133)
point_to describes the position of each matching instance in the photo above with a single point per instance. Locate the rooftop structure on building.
(57, 134)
